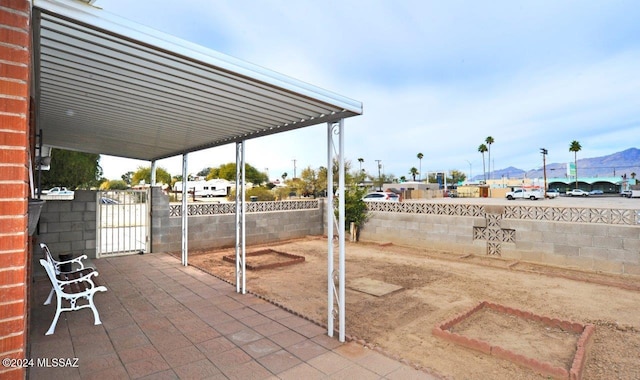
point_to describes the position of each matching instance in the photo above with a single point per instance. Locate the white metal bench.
(78, 268)
(70, 292)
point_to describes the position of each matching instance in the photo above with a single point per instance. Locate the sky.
(434, 77)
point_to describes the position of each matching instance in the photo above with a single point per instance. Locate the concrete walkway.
(165, 321)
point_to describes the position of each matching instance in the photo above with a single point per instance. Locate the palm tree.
(489, 140)
(482, 149)
(575, 147)
(414, 172)
(284, 176)
(420, 155)
(360, 160)
(633, 175)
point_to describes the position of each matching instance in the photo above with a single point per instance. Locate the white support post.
(185, 212)
(329, 218)
(154, 164)
(241, 281)
(336, 295)
(341, 232)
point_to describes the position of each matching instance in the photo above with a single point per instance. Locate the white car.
(525, 194)
(552, 193)
(58, 191)
(578, 193)
(381, 196)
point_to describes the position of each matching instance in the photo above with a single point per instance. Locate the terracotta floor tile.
(306, 350)
(182, 356)
(248, 371)
(230, 358)
(261, 348)
(329, 363)
(279, 361)
(215, 346)
(354, 372)
(171, 322)
(302, 371)
(287, 338)
(244, 336)
(146, 367)
(270, 328)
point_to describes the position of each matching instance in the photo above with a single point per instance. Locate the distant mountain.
(613, 165)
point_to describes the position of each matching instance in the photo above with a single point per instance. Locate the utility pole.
(544, 168)
(379, 178)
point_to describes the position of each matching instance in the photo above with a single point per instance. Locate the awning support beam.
(241, 280)
(185, 212)
(336, 296)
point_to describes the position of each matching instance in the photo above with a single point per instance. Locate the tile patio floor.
(164, 321)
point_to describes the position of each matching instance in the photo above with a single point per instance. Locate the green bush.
(355, 209)
(263, 194)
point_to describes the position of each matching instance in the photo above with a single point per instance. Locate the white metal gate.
(123, 225)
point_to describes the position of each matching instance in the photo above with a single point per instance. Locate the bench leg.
(96, 316)
(48, 301)
(52, 328)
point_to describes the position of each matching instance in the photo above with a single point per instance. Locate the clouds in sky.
(434, 77)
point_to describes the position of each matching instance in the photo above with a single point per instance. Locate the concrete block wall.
(16, 140)
(594, 247)
(439, 232)
(218, 231)
(588, 246)
(69, 226)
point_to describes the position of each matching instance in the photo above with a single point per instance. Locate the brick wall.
(15, 51)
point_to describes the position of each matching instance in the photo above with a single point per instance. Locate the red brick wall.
(15, 52)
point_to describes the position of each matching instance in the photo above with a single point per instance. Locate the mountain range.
(617, 164)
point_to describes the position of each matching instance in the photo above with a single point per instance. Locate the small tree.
(489, 140)
(355, 209)
(115, 184)
(575, 147)
(414, 172)
(144, 174)
(482, 149)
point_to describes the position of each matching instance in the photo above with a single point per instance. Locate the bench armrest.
(76, 260)
(85, 278)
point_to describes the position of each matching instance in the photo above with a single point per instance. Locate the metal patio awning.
(106, 85)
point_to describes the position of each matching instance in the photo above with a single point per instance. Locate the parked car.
(381, 196)
(553, 193)
(577, 193)
(58, 191)
(596, 192)
(631, 193)
(532, 194)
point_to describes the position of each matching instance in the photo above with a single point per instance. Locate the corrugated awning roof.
(109, 86)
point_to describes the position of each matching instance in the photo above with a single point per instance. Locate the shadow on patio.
(164, 321)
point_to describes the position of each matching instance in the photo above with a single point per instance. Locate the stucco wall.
(605, 240)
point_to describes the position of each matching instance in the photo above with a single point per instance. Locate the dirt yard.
(437, 286)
